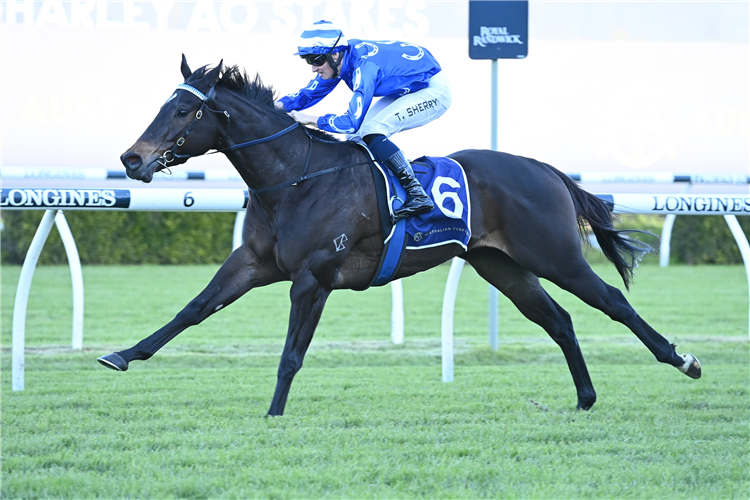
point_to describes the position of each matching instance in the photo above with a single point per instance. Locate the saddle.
(444, 181)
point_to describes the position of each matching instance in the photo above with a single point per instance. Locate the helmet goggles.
(314, 59)
(320, 59)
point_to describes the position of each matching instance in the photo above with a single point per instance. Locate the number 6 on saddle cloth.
(444, 180)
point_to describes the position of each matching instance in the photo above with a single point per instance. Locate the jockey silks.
(370, 69)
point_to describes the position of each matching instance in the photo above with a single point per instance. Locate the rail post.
(76, 277)
(449, 304)
(22, 297)
(742, 244)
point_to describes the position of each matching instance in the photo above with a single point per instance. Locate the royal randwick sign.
(498, 29)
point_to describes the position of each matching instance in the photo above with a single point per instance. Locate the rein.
(304, 177)
(169, 156)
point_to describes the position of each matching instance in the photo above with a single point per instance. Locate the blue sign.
(498, 29)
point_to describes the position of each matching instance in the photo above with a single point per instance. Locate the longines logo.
(62, 198)
(702, 204)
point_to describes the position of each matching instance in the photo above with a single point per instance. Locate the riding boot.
(418, 201)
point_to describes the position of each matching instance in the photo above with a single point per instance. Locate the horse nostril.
(131, 160)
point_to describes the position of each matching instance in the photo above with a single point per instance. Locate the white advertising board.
(658, 86)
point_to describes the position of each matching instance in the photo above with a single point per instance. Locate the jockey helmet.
(321, 37)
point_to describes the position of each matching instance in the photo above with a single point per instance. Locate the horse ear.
(185, 68)
(213, 76)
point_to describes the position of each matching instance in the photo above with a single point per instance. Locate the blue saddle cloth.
(444, 181)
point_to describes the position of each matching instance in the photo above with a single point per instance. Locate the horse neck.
(269, 163)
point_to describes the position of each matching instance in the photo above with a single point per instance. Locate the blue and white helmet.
(321, 37)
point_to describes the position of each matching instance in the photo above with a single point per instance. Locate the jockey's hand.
(279, 105)
(304, 119)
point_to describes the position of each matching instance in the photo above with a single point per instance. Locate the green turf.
(366, 418)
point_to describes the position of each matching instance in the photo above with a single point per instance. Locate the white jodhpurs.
(389, 115)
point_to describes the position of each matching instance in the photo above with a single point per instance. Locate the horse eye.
(182, 112)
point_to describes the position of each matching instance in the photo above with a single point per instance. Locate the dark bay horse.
(526, 219)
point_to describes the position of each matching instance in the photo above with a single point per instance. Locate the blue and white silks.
(370, 69)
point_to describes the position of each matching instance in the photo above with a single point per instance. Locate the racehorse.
(308, 188)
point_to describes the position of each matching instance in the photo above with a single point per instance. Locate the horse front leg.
(240, 273)
(308, 300)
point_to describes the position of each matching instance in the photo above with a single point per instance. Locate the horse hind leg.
(525, 291)
(580, 280)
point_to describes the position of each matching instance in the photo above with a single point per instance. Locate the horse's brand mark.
(339, 242)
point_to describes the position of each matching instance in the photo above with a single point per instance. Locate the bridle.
(169, 156)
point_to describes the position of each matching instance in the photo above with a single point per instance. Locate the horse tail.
(593, 212)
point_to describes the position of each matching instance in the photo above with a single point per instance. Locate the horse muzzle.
(138, 169)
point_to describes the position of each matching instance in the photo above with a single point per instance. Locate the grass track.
(365, 418)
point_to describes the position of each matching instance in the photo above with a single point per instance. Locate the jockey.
(406, 78)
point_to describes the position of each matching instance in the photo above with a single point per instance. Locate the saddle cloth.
(444, 181)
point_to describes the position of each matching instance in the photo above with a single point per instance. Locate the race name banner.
(498, 29)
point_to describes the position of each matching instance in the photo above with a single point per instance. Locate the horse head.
(165, 142)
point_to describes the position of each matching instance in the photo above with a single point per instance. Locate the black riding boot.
(418, 202)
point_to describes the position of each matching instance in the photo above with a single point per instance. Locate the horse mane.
(254, 90)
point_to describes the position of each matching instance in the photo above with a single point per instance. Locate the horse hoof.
(691, 367)
(114, 362)
(584, 406)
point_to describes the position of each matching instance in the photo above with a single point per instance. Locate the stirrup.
(411, 208)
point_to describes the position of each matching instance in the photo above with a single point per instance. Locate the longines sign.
(65, 198)
(150, 199)
(702, 204)
(678, 204)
